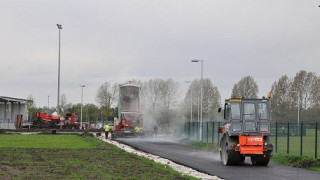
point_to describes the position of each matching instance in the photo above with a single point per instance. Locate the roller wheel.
(227, 156)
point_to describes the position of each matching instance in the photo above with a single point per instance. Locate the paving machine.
(246, 131)
(130, 120)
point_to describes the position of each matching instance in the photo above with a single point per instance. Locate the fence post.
(207, 131)
(185, 128)
(288, 132)
(192, 130)
(198, 131)
(189, 130)
(202, 131)
(316, 143)
(301, 135)
(276, 137)
(212, 132)
(218, 132)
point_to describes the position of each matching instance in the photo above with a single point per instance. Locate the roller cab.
(246, 131)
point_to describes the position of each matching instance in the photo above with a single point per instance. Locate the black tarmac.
(209, 162)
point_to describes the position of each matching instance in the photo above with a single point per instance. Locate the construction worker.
(123, 122)
(106, 130)
(137, 129)
(155, 130)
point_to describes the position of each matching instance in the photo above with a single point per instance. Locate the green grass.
(202, 145)
(73, 157)
(308, 144)
(45, 141)
(297, 161)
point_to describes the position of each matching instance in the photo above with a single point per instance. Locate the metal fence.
(287, 138)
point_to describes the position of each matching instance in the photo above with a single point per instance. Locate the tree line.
(287, 94)
(163, 105)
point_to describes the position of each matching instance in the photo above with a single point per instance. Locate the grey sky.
(117, 40)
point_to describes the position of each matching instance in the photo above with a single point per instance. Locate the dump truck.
(246, 131)
(129, 111)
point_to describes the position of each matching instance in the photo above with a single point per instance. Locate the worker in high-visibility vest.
(106, 130)
(137, 129)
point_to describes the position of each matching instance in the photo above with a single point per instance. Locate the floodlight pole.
(201, 95)
(58, 99)
(48, 103)
(82, 86)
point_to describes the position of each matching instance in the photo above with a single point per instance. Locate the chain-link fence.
(287, 138)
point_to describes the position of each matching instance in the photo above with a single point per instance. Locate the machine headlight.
(236, 127)
(264, 127)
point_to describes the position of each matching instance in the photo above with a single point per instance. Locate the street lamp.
(58, 99)
(82, 86)
(201, 95)
(190, 99)
(48, 103)
(298, 110)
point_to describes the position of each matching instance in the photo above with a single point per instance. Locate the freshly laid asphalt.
(209, 162)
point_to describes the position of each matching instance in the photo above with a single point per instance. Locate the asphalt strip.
(177, 167)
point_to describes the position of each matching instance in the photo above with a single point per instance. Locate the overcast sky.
(118, 40)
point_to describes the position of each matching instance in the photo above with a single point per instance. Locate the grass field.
(308, 144)
(73, 157)
(203, 145)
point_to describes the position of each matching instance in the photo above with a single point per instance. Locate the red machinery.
(70, 121)
(45, 120)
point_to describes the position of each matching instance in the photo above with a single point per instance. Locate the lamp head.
(59, 26)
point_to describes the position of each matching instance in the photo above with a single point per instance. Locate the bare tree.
(211, 97)
(315, 93)
(152, 92)
(160, 99)
(281, 101)
(247, 87)
(304, 82)
(64, 105)
(106, 95)
(169, 94)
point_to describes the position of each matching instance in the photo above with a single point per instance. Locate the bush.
(297, 161)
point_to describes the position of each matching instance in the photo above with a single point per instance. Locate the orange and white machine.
(246, 131)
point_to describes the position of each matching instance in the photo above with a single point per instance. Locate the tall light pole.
(201, 95)
(190, 99)
(298, 110)
(58, 99)
(82, 86)
(48, 103)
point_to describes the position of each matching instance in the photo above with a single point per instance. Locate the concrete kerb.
(177, 167)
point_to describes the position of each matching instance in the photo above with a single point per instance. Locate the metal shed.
(12, 109)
